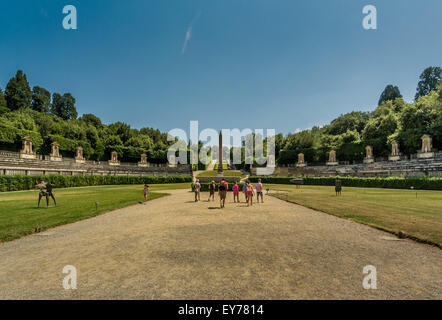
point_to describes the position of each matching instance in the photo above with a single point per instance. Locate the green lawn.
(225, 166)
(226, 173)
(19, 214)
(389, 209)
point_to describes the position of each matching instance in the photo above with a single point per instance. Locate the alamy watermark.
(70, 20)
(237, 146)
(370, 280)
(70, 280)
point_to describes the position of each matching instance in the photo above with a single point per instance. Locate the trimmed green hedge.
(369, 182)
(18, 182)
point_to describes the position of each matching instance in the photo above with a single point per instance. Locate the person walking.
(197, 190)
(222, 189)
(244, 189)
(250, 193)
(212, 191)
(259, 191)
(146, 192)
(235, 189)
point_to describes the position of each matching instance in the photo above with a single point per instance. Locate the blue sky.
(279, 64)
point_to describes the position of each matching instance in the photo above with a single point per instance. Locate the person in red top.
(235, 189)
(222, 190)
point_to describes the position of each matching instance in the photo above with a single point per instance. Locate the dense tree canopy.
(390, 93)
(18, 93)
(428, 81)
(34, 114)
(41, 99)
(2, 101)
(64, 106)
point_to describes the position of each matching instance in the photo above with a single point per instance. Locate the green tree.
(18, 93)
(3, 108)
(2, 99)
(41, 100)
(377, 131)
(428, 81)
(350, 121)
(390, 93)
(63, 106)
(92, 120)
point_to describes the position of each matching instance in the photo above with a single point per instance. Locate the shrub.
(368, 182)
(18, 182)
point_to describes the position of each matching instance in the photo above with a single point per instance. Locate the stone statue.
(26, 151)
(369, 151)
(368, 154)
(79, 158)
(427, 148)
(332, 161)
(143, 161)
(395, 154)
(301, 162)
(114, 159)
(55, 153)
(394, 148)
(301, 158)
(426, 143)
(338, 187)
(45, 191)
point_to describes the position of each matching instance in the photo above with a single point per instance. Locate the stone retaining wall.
(11, 164)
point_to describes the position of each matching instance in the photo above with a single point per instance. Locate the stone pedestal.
(331, 163)
(55, 158)
(425, 155)
(369, 160)
(394, 158)
(303, 164)
(24, 155)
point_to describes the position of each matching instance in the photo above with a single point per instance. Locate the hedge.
(369, 182)
(18, 182)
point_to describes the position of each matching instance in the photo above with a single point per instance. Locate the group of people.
(247, 189)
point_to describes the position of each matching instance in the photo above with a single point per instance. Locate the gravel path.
(173, 248)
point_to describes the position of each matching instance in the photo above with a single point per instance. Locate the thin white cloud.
(189, 33)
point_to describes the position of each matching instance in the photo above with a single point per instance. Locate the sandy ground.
(174, 248)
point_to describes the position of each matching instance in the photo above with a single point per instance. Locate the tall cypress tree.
(390, 93)
(18, 93)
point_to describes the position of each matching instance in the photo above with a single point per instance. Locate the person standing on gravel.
(197, 190)
(223, 187)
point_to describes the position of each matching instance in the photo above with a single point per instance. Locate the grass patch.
(226, 173)
(417, 213)
(19, 214)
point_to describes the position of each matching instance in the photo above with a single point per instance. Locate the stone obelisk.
(220, 154)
